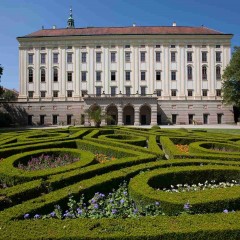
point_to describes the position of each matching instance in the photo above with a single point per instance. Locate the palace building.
(139, 75)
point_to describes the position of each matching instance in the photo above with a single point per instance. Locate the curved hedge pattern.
(149, 159)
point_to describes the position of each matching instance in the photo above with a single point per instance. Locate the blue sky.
(21, 17)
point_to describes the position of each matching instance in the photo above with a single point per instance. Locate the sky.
(21, 17)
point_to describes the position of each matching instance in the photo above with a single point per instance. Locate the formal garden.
(119, 183)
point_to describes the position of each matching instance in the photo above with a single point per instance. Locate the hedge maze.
(188, 179)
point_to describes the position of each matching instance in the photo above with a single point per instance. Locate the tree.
(231, 80)
(1, 88)
(9, 96)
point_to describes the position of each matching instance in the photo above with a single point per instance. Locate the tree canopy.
(231, 80)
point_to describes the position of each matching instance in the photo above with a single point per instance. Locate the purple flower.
(114, 211)
(96, 206)
(111, 200)
(26, 216)
(135, 210)
(125, 193)
(52, 214)
(157, 203)
(122, 201)
(37, 216)
(79, 211)
(186, 206)
(225, 211)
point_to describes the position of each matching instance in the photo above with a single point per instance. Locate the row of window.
(113, 57)
(127, 75)
(127, 92)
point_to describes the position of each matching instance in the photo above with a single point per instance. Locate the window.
(204, 46)
(190, 93)
(84, 93)
(42, 119)
(98, 76)
(128, 75)
(55, 119)
(189, 56)
(173, 57)
(55, 75)
(143, 56)
(218, 93)
(159, 92)
(127, 56)
(113, 57)
(43, 58)
(43, 48)
(218, 46)
(204, 56)
(98, 91)
(173, 75)
(173, 46)
(84, 57)
(84, 76)
(83, 47)
(30, 75)
(69, 119)
(113, 91)
(98, 57)
(158, 75)
(143, 91)
(173, 93)
(142, 46)
(69, 47)
(43, 75)
(219, 118)
(218, 56)
(205, 118)
(69, 76)
(158, 56)
(174, 118)
(189, 72)
(189, 46)
(143, 75)
(218, 73)
(127, 46)
(69, 57)
(55, 94)
(204, 73)
(69, 93)
(43, 94)
(128, 91)
(30, 58)
(158, 46)
(204, 92)
(55, 58)
(113, 76)
(98, 46)
(30, 94)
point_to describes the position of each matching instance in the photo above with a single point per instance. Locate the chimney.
(174, 24)
(54, 27)
(134, 25)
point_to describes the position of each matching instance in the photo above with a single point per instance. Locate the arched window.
(204, 72)
(218, 73)
(30, 75)
(55, 75)
(43, 75)
(189, 72)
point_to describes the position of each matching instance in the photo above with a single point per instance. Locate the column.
(120, 116)
(153, 114)
(136, 116)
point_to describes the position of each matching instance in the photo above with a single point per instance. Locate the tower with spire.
(70, 22)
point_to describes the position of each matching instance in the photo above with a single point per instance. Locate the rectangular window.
(128, 91)
(98, 46)
(69, 93)
(55, 75)
(143, 91)
(205, 118)
(173, 46)
(159, 92)
(30, 75)
(30, 58)
(98, 76)
(189, 46)
(113, 57)
(218, 46)
(158, 56)
(113, 76)
(218, 56)
(127, 56)
(69, 57)
(173, 93)
(55, 119)
(113, 91)
(69, 47)
(142, 56)
(158, 75)
(43, 94)
(84, 76)
(204, 92)
(204, 56)
(84, 57)
(55, 58)
(55, 94)
(158, 46)
(69, 119)
(174, 118)
(190, 93)
(42, 119)
(69, 76)
(98, 91)
(218, 92)
(173, 57)
(98, 57)
(43, 75)
(143, 75)
(30, 94)
(128, 75)
(43, 58)
(127, 46)
(219, 118)
(173, 75)
(189, 56)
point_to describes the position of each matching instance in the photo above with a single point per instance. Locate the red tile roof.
(89, 31)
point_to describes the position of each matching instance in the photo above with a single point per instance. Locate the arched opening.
(94, 114)
(145, 115)
(128, 115)
(113, 113)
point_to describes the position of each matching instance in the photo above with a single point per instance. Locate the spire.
(70, 21)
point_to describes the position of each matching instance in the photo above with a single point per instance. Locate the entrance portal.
(145, 115)
(128, 115)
